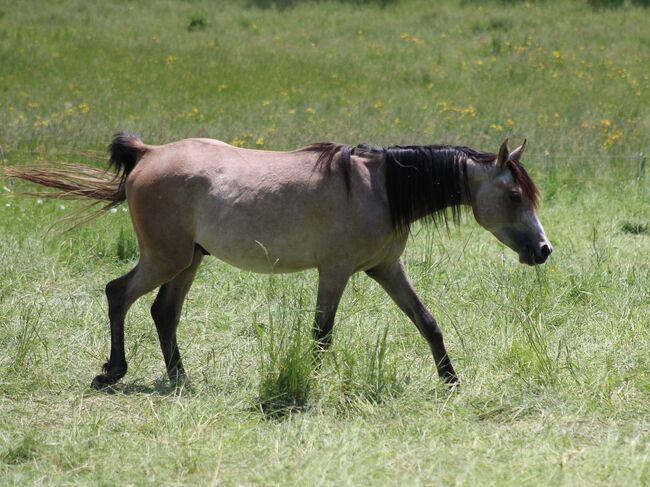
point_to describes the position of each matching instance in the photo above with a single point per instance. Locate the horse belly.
(260, 238)
(265, 254)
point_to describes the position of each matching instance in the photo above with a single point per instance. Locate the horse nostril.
(546, 250)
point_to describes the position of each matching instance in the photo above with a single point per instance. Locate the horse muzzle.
(535, 255)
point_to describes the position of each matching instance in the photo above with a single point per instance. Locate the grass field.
(554, 361)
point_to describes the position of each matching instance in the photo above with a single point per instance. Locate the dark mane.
(328, 154)
(421, 180)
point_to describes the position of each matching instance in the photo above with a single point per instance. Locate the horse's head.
(504, 199)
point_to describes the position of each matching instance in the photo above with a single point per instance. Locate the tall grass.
(285, 367)
(371, 375)
(286, 353)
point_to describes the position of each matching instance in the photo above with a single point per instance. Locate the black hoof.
(109, 377)
(102, 381)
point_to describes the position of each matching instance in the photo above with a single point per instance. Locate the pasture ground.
(554, 361)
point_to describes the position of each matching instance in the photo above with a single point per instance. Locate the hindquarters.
(163, 202)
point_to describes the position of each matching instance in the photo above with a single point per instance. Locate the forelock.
(524, 181)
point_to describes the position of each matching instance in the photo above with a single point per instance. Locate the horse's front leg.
(331, 284)
(392, 277)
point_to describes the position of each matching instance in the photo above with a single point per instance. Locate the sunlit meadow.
(554, 361)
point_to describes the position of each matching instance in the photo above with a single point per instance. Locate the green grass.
(554, 360)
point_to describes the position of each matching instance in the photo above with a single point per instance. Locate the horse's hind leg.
(166, 312)
(121, 293)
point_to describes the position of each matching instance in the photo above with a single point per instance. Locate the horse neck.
(477, 173)
(425, 182)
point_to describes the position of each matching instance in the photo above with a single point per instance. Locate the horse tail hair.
(79, 181)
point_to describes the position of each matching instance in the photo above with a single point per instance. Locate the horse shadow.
(160, 387)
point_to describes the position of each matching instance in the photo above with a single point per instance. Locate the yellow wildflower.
(612, 138)
(237, 142)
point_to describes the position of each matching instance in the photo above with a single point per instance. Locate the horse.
(338, 208)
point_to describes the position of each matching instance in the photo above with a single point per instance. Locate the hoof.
(102, 381)
(108, 378)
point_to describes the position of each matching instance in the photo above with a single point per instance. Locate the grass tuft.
(24, 450)
(197, 22)
(285, 365)
(634, 228)
(373, 376)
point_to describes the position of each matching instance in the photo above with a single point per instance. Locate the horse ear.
(515, 155)
(504, 153)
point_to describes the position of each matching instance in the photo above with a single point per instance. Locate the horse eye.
(515, 196)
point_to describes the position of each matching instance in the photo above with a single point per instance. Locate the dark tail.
(77, 181)
(126, 150)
